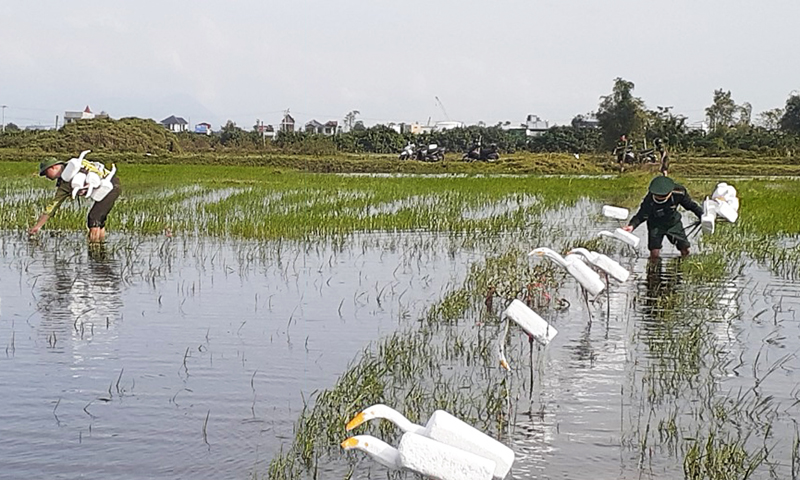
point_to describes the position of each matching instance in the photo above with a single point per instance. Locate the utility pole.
(3, 107)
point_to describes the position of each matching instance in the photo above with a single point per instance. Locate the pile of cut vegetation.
(100, 135)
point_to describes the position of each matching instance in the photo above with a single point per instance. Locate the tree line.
(731, 130)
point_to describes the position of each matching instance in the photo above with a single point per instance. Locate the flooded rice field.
(165, 359)
(193, 357)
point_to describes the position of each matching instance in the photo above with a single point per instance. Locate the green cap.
(661, 185)
(47, 163)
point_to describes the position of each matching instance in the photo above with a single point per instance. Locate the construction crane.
(441, 105)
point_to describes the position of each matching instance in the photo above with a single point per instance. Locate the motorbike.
(431, 153)
(478, 153)
(409, 152)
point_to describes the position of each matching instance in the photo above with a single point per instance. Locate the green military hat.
(661, 185)
(47, 163)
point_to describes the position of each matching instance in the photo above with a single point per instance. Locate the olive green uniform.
(99, 211)
(663, 219)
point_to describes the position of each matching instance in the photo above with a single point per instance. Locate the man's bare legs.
(97, 234)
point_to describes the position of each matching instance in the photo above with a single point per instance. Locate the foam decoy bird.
(424, 456)
(588, 278)
(447, 429)
(622, 236)
(604, 263)
(535, 326)
(617, 213)
(530, 321)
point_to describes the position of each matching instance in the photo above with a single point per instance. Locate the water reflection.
(80, 292)
(662, 278)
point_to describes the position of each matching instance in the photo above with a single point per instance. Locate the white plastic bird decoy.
(447, 429)
(424, 456)
(535, 326)
(709, 217)
(588, 278)
(617, 213)
(604, 263)
(622, 236)
(530, 321)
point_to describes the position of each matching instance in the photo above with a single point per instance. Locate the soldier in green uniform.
(659, 209)
(664, 155)
(96, 219)
(621, 151)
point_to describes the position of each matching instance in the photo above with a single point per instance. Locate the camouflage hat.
(47, 163)
(661, 185)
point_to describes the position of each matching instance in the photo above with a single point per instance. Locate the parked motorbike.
(431, 153)
(409, 152)
(478, 153)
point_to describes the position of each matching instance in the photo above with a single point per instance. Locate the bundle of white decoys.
(723, 203)
(91, 176)
(446, 448)
(618, 234)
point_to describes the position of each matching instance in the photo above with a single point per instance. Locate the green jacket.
(63, 192)
(665, 214)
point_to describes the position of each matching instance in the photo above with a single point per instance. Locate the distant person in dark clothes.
(659, 209)
(662, 151)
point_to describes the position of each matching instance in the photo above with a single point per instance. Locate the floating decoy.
(622, 236)
(587, 277)
(424, 456)
(445, 428)
(535, 326)
(530, 321)
(617, 213)
(604, 263)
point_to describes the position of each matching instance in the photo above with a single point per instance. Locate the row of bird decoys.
(447, 448)
(583, 265)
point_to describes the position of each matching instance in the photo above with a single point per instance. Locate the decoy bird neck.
(376, 448)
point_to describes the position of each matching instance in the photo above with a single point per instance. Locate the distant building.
(400, 128)
(585, 122)
(418, 129)
(442, 126)
(313, 126)
(700, 126)
(535, 126)
(266, 131)
(287, 124)
(86, 114)
(330, 128)
(175, 124)
(203, 128)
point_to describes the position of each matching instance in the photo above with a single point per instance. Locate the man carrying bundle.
(104, 197)
(659, 209)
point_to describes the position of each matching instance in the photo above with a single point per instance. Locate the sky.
(213, 61)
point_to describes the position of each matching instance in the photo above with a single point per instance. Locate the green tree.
(350, 119)
(669, 127)
(11, 127)
(770, 119)
(745, 112)
(620, 113)
(721, 113)
(231, 135)
(790, 121)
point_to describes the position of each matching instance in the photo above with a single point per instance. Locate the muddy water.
(165, 359)
(170, 358)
